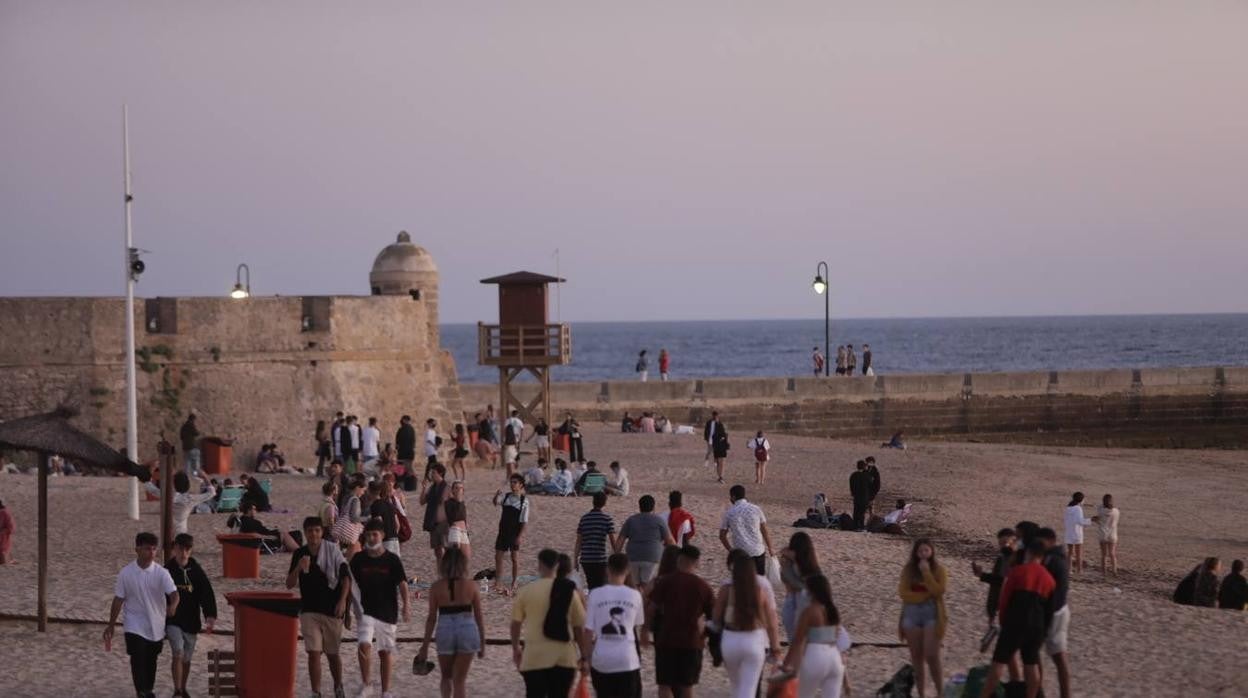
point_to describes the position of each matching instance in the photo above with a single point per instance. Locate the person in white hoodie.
(1075, 522)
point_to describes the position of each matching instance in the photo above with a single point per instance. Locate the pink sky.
(689, 160)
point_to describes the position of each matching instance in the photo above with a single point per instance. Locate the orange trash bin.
(560, 442)
(240, 555)
(266, 642)
(216, 455)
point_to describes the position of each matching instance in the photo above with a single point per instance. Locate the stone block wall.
(1182, 407)
(258, 370)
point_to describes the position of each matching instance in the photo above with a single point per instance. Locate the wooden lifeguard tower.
(524, 340)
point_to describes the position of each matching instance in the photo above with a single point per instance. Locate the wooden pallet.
(221, 676)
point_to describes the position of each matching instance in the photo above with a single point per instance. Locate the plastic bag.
(773, 570)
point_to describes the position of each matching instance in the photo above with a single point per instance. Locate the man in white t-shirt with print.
(744, 527)
(612, 613)
(144, 596)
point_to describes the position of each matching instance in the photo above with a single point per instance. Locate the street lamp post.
(133, 266)
(241, 290)
(821, 287)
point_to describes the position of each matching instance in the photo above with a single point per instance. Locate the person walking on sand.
(820, 642)
(511, 523)
(643, 537)
(1107, 532)
(761, 448)
(684, 602)
(643, 366)
(996, 577)
(744, 528)
(665, 362)
(459, 451)
(455, 610)
(550, 616)
(370, 446)
(405, 442)
(860, 492)
(147, 595)
(1056, 640)
(7, 529)
(383, 583)
(1024, 611)
(716, 436)
(1075, 522)
(433, 492)
(541, 432)
(457, 520)
(324, 581)
(679, 521)
(612, 612)
(195, 597)
(816, 358)
(746, 614)
(798, 562)
(923, 617)
(189, 436)
(594, 532)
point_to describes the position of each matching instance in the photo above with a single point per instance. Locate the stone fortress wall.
(1170, 407)
(257, 370)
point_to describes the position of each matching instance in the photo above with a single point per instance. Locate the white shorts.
(377, 633)
(509, 454)
(457, 536)
(1055, 643)
(543, 441)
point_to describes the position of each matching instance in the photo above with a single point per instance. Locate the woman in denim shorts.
(455, 610)
(922, 624)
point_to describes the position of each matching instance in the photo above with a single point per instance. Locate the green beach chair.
(267, 486)
(594, 483)
(231, 497)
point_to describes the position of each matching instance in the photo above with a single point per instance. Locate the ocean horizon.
(776, 347)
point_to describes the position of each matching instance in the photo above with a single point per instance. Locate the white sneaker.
(365, 692)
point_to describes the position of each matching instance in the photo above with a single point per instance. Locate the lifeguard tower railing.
(524, 345)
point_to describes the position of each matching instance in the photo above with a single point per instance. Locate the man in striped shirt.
(593, 533)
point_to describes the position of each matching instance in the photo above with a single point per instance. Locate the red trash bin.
(266, 642)
(561, 442)
(216, 454)
(240, 555)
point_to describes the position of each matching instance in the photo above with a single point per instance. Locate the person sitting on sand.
(627, 426)
(646, 424)
(246, 522)
(617, 481)
(1206, 593)
(256, 495)
(1233, 593)
(895, 442)
(535, 477)
(560, 482)
(590, 467)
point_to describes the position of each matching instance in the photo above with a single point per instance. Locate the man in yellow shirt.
(550, 614)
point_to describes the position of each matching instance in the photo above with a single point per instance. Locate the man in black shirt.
(433, 493)
(1056, 641)
(405, 442)
(1233, 592)
(873, 475)
(248, 523)
(860, 491)
(379, 573)
(324, 580)
(195, 596)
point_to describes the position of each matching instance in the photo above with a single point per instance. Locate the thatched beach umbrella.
(48, 434)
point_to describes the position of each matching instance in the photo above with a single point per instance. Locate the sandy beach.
(1126, 638)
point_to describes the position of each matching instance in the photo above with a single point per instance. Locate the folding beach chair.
(594, 483)
(231, 497)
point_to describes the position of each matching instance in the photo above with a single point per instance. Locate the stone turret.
(406, 269)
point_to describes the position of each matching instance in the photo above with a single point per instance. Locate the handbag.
(346, 531)
(404, 526)
(773, 571)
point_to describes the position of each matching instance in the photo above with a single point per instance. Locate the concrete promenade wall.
(262, 369)
(1177, 407)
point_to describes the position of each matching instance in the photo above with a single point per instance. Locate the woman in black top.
(383, 508)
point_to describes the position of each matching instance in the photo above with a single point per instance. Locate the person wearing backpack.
(762, 453)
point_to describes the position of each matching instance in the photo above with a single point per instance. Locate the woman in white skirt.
(457, 520)
(747, 615)
(541, 432)
(1107, 531)
(816, 653)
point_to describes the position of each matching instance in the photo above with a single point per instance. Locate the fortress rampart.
(1170, 407)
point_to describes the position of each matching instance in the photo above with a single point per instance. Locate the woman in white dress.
(1075, 522)
(1107, 530)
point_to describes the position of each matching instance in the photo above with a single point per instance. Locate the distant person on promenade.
(643, 366)
(665, 362)
(1056, 640)
(1233, 592)
(324, 580)
(1106, 519)
(840, 360)
(744, 528)
(455, 611)
(866, 361)
(642, 537)
(851, 361)
(761, 448)
(383, 584)
(817, 359)
(1075, 522)
(405, 442)
(923, 617)
(679, 521)
(550, 616)
(860, 493)
(147, 595)
(189, 436)
(195, 597)
(684, 602)
(595, 536)
(716, 436)
(7, 529)
(512, 520)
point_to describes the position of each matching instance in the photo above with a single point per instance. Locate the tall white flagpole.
(132, 419)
